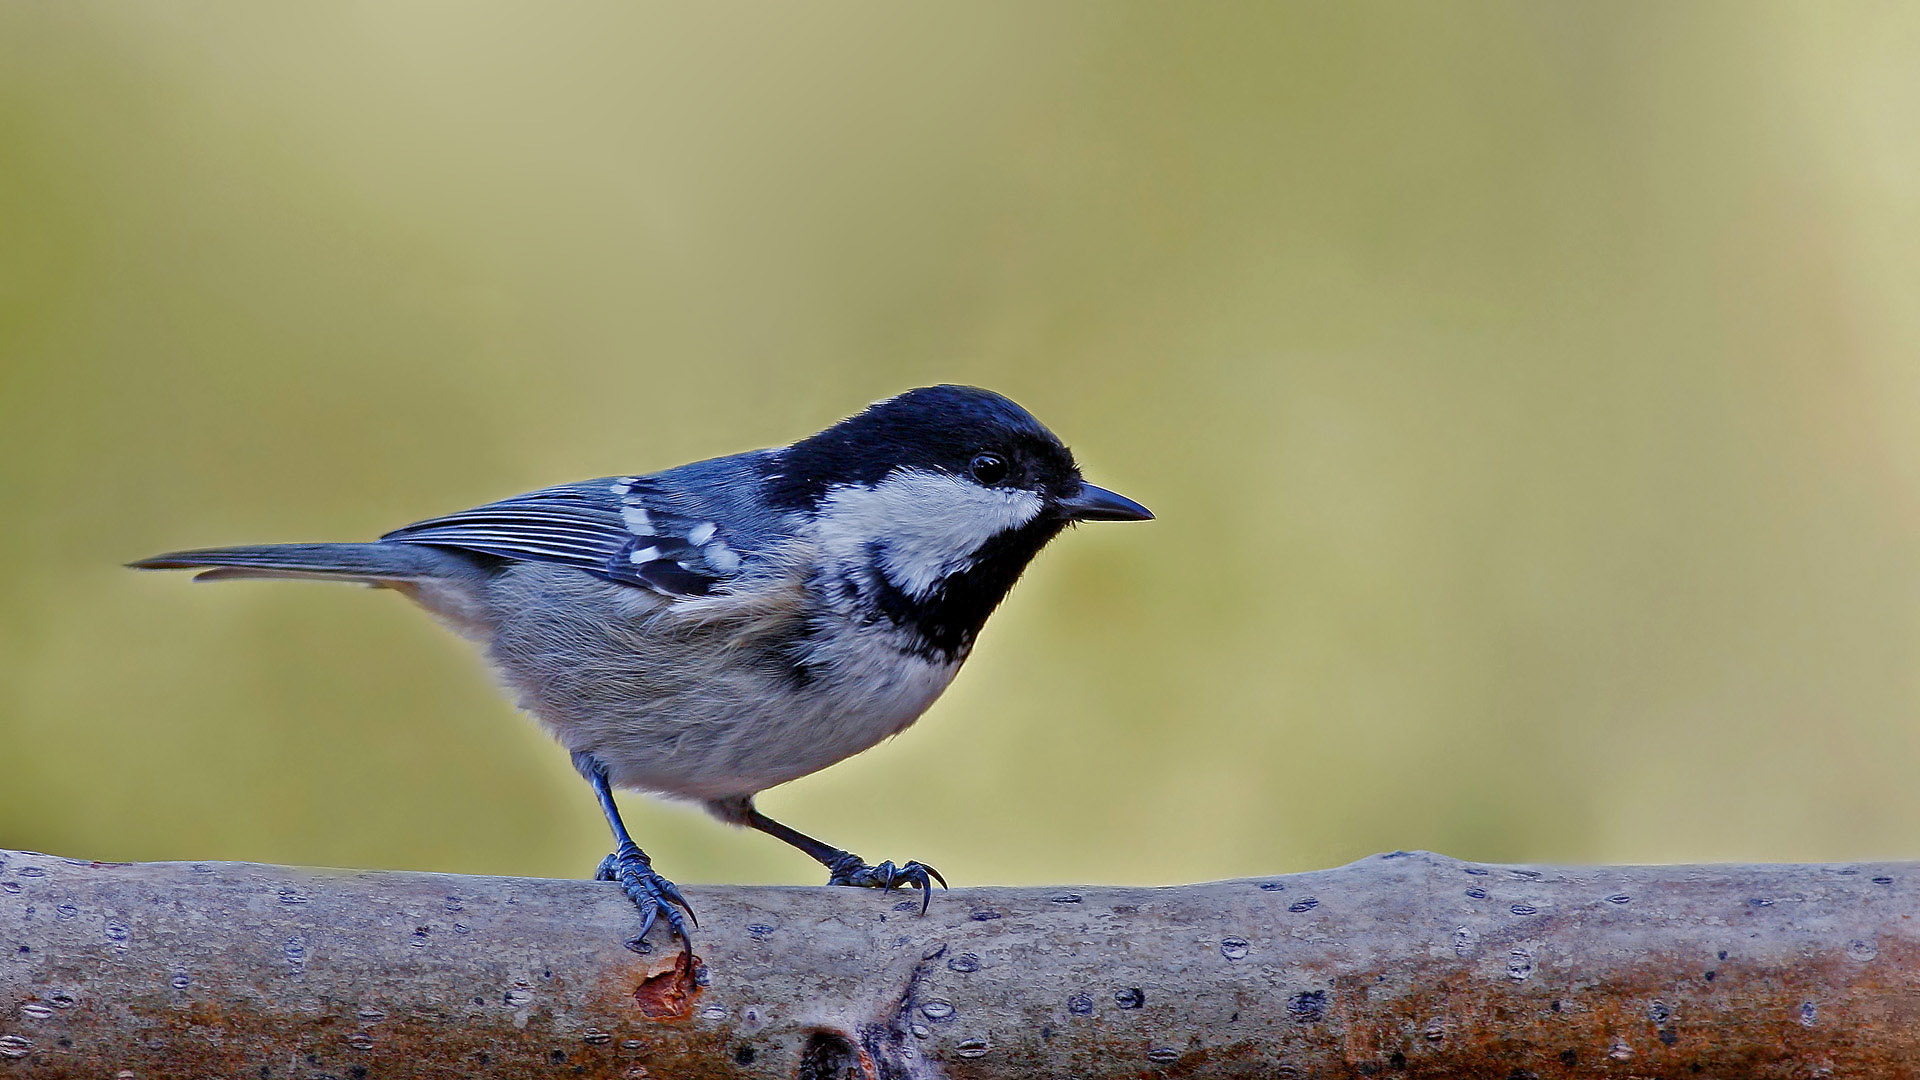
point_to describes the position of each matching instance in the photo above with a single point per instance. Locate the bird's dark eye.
(989, 469)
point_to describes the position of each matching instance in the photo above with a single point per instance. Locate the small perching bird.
(715, 629)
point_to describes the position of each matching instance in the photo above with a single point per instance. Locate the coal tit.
(715, 629)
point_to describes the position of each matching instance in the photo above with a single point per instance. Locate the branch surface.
(1404, 965)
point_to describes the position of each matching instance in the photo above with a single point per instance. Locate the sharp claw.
(654, 895)
(672, 892)
(849, 870)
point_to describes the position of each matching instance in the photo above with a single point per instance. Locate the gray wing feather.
(675, 532)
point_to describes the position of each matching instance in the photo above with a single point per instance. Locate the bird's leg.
(843, 867)
(654, 895)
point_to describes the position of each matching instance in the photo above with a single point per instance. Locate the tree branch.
(1403, 965)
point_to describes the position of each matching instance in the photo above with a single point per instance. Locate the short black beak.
(1099, 504)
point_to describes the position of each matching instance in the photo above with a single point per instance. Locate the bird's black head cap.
(943, 428)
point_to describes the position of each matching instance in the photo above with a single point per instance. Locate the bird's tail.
(372, 564)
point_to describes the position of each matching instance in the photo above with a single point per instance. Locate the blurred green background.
(1529, 393)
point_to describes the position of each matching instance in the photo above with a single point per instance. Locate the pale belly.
(759, 748)
(706, 712)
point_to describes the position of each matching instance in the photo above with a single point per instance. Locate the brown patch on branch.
(669, 994)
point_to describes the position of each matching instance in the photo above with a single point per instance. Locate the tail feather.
(376, 562)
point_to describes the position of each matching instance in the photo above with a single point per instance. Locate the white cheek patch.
(927, 523)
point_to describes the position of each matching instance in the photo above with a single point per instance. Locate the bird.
(715, 629)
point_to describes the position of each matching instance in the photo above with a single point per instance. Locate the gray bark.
(1403, 965)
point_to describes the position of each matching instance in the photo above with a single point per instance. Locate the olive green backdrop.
(1530, 395)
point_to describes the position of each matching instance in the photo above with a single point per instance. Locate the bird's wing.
(680, 533)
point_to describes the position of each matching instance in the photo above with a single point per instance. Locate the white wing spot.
(644, 555)
(721, 557)
(701, 533)
(638, 523)
(621, 488)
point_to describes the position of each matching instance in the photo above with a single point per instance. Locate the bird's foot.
(655, 896)
(849, 869)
